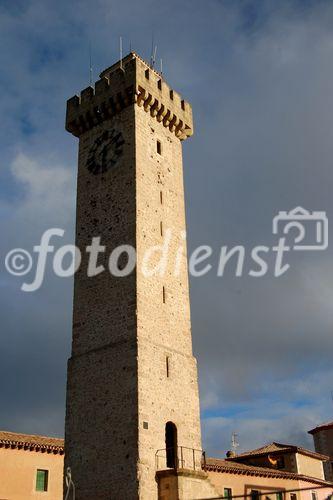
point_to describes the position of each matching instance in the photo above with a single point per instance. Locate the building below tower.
(323, 442)
(31, 467)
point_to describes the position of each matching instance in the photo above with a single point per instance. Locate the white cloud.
(260, 424)
(48, 191)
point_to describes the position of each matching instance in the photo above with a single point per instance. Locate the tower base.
(184, 484)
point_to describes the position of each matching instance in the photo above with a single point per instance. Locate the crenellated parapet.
(128, 82)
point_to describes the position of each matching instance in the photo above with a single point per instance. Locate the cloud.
(289, 426)
(48, 190)
(45, 198)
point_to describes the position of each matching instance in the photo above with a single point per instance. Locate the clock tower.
(132, 416)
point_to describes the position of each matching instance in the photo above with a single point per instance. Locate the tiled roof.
(31, 442)
(327, 425)
(276, 448)
(226, 466)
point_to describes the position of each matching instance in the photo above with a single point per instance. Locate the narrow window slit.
(167, 366)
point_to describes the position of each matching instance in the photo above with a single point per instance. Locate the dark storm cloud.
(259, 78)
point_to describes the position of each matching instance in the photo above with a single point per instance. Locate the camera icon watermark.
(311, 228)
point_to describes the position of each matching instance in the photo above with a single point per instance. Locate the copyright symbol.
(18, 262)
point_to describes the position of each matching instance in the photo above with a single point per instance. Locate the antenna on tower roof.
(90, 66)
(154, 56)
(161, 66)
(121, 52)
(153, 51)
(234, 443)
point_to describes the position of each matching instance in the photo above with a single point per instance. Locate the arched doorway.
(171, 445)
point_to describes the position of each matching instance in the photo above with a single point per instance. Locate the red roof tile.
(226, 466)
(277, 448)
(31, 442)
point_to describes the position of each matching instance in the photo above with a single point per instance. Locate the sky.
(259, 76)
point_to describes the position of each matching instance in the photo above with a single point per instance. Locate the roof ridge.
(31, 442)
(285, 445)
(274, 448)
(30, 435)
(226, 465)
(323, 426)
(257, 450)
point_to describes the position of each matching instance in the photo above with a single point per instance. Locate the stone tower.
(132, 379)
(323, 443)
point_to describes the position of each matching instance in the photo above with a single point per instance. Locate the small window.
(147, 74)
(161, 197)
(293, 496)
(314, 495)
(145, 425)
(255, 495)
(279, 495)
(171, 95)
(161, 228)
(163, 293)
(159, 84)
(159, 147)
(183, 104)
(167, 366)
(280, 464)
(42, 479)
(227, 493)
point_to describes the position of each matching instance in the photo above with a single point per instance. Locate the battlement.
(128, 82)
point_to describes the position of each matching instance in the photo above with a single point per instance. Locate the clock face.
(105, 152)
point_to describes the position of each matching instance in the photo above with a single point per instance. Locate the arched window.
(171, 445)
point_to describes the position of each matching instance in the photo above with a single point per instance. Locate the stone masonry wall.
(101, 423)
(163, 319)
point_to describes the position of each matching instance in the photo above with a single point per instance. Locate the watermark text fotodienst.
(309, 230)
